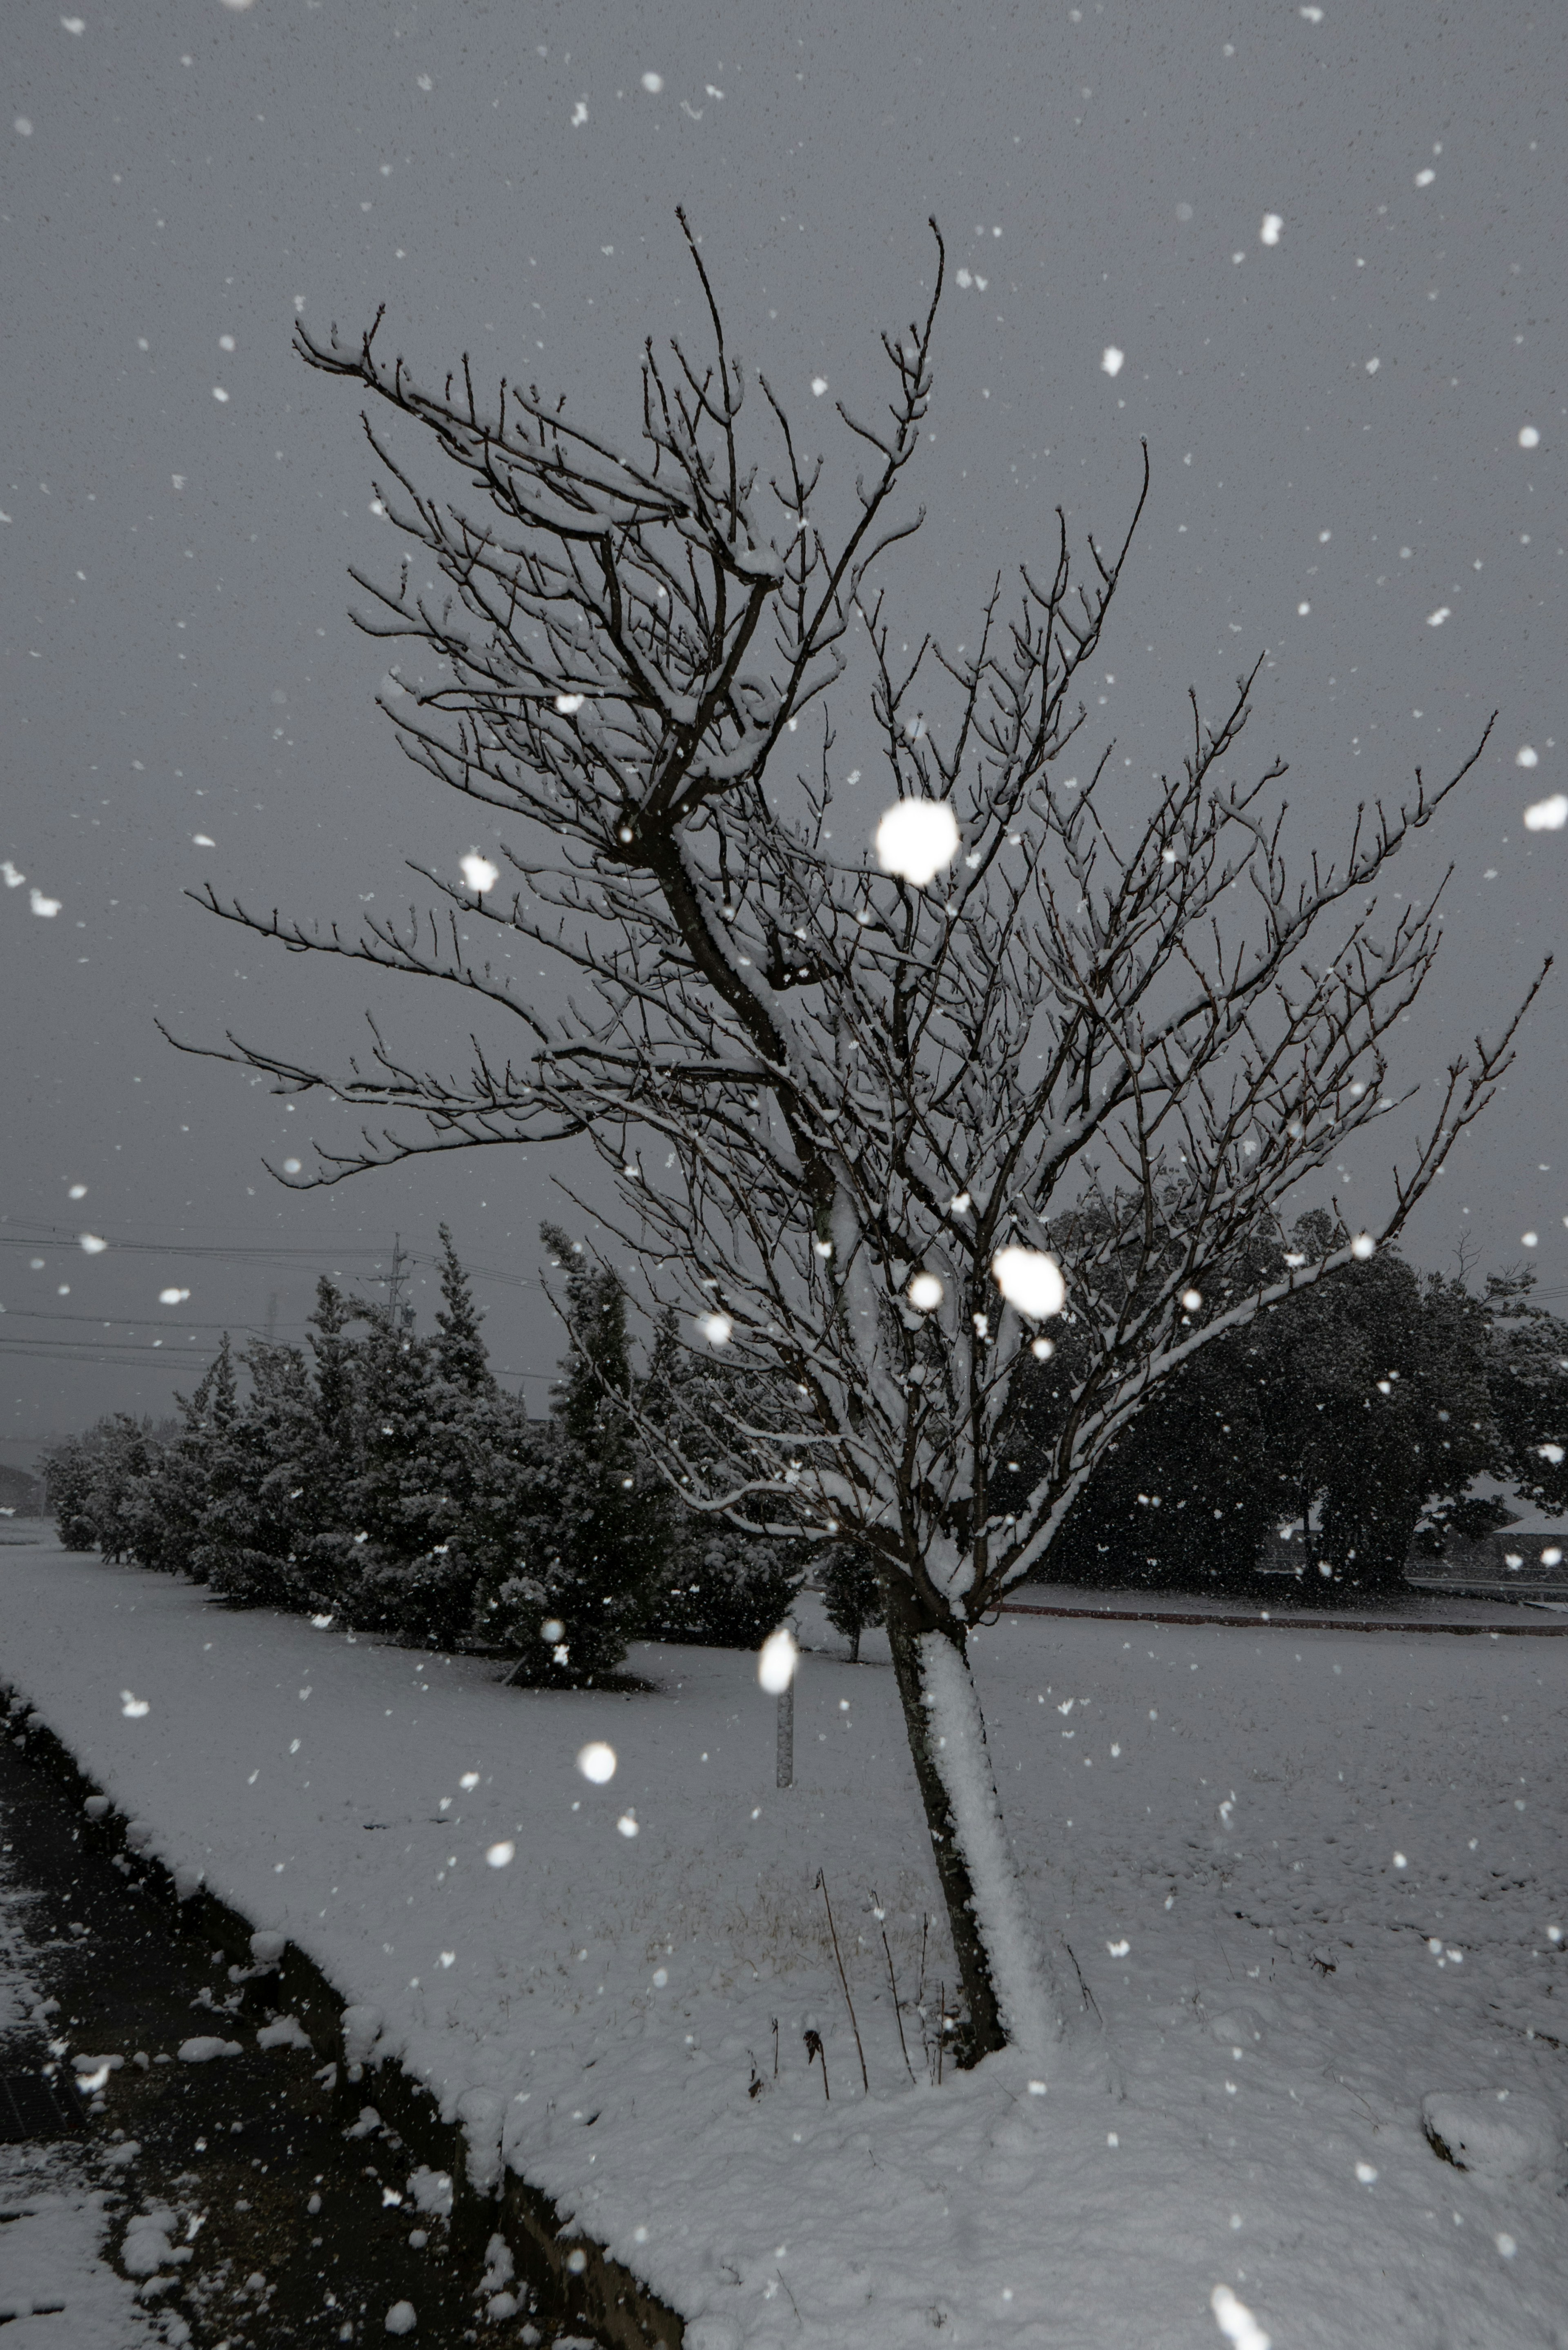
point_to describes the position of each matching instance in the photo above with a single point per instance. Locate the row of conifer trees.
(382, 1475)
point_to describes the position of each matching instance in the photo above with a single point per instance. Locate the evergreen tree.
(1527, 1384)
(851, 1591)
(181, 1487)
(1401, 1421)
(1349, 1415)
(69, 1471)
(1184, 1497)
(460, 1354)
(327, 1561)
(401, 1512)
(258, 1513)
(442, 1482)
(720, 1585)
(598, 1529)
(97, 1484)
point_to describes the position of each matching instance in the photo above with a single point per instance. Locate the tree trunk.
(1004, 1982)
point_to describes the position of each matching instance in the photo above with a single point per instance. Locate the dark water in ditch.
(307, 2233)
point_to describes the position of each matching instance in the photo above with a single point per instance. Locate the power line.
(130, 1353)
(123, 1321)
(35, 1233)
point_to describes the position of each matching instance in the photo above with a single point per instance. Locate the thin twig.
(813, 2049)
(893, 1980)
(1088, 1995)
(844, 1979)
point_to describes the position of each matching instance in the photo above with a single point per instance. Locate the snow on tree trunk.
(1025, 2008)
(1001, 1966)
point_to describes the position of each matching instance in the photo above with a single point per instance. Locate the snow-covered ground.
(57, 2290)
(1310, 1879)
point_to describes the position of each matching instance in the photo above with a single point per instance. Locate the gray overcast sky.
(1335, 419)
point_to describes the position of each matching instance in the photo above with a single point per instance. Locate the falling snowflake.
(1031, 1281)
(502, 1854)
(1270, 231)
(925, 1292)
(1234, 2319)
(597, 1762)
(776, 1661)
(1112, 360)
(1529, 438)
(1526, 756)
(480, 873)
(1547, 815)
(916, 839)
(653, 83)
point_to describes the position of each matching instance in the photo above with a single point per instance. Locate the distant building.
(1516, 1562)
(21, 1495)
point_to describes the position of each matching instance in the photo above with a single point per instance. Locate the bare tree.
(832, 1099)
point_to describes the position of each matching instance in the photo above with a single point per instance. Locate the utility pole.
(395, 1279)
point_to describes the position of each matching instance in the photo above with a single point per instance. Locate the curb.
(1289, 1621)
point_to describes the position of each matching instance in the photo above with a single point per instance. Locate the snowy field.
(1310, 1879)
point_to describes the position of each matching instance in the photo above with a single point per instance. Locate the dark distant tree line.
(1337, 1433)
(383, 1476)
